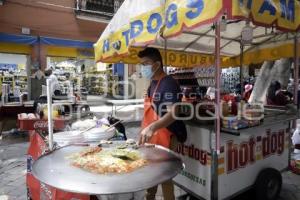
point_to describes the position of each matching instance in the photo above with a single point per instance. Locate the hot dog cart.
(247, 158)
(220, 162)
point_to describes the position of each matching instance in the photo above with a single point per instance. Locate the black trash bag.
(119, 127)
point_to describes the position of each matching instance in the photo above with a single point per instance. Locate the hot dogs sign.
(239, 154)
(173, 16)
(255, 149)
(142, 29)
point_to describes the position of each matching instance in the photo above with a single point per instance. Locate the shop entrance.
(71, 73)
(13, 77)
(13, 88)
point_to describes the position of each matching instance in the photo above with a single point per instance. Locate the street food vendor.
(159, 125)
(276, 96)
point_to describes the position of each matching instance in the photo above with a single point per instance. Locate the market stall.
(253, 147)
(87, 137)
(45, 163)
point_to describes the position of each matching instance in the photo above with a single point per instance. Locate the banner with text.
(284, 14)
(145, 28)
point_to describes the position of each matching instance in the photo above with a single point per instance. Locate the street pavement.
(13, 169)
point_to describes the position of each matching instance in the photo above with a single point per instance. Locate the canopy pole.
(241, 69)
(166, 54)
(296, 70)
(165, 39)
(50, 121)
(218, 84)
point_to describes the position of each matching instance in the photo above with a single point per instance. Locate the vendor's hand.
(146, 134)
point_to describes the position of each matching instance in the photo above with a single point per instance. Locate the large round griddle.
(54, 169)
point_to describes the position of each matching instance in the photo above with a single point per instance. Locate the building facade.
(65, 20)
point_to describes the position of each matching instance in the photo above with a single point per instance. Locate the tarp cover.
(188, 27)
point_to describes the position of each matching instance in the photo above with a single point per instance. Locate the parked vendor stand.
(50, 174)
(220, 163)
(36, 123)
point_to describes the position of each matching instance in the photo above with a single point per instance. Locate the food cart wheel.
(268, 184)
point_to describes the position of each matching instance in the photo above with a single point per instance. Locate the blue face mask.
(146, 71)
